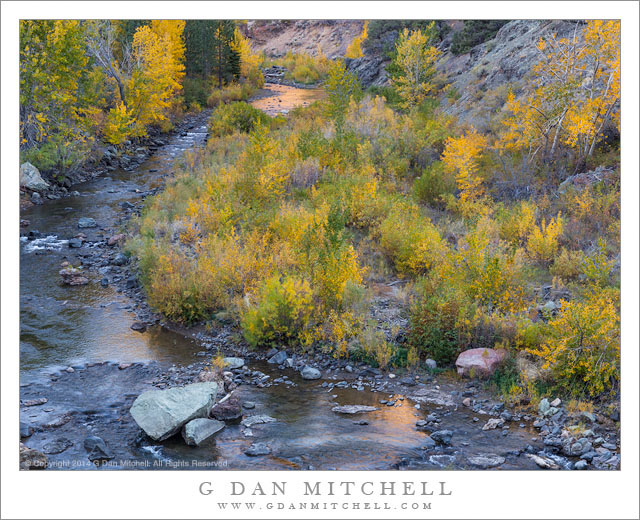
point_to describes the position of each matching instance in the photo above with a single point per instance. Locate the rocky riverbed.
(88, 351)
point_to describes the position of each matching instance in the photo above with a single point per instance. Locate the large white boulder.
(161, 413)
(30, 178)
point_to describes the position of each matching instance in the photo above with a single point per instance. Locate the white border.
(174, 495)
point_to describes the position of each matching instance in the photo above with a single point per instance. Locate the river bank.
(422, 420)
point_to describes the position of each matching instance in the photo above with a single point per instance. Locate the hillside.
(478, 78)
(277, 37)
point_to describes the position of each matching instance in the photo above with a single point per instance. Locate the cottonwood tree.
(575, 95)
(414, 65)
(56, 95)
(341, 86)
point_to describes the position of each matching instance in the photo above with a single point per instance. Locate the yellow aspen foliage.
(411, 240)
(543, 244)
(583, 350)
(158, 54)
(284, 311)
(575, 94)
(460, 157)
(354, 50)
(58, 99)
(249, 61)
(517, 224)
(118, 124)
(415, 59)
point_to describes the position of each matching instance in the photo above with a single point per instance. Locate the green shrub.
(474, 33)
(236, 117)
(432, 329)
(57, 154)
(195, 90)
(433, 184)
(282, 314)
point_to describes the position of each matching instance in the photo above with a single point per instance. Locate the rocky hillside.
(277, 37)
(479, 79)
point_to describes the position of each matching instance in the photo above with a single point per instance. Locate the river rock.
(115, 239)
(97, 448)
(87, 222)
(75, 242)
(120, 259)
(35, 402)
(30, 178)
(252, 420)
(138, 326)
(57, 446)
(197, 431)
(485, 461)
(310, 373)
(278, 358)
(72, 275)
(26, 430)
(161, 413)
(479, 361)
(228, 410)
(248, 405)
(257, 449)
(233, 362)
(32, 459)
(36, 198)
(492, 424)
(543, 462)
(577, 448)
(581, 464)
(442, 436)
(353, 408)
(431, 364)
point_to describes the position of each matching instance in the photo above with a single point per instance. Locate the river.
(75, 340)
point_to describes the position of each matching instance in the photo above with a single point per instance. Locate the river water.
(63, 326)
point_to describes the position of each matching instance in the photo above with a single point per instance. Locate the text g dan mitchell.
(326, 488)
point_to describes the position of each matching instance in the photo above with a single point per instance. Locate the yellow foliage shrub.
(282, 314)
(583, 350)
(543, 244)
(568, 264)
(518, 223)
(411, 240)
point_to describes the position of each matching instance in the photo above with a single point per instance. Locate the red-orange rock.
(479, 361)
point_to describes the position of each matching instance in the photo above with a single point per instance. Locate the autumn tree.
(575, 95)
(249, 61)
(354, 50)
(414, 65)
(341, 85)
(461, 157)
(57, 106)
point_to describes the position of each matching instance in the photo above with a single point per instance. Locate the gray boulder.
(97, 448)
(252, 420)
(278, 358)
(30, 178)
(120, 259)
(197, 431)
(353, 408)
(233, 362)
(431, 364)
(161, 413)
(257, 449)
(87, 222)
(310, 373)
(442, 436)
(486, 460)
